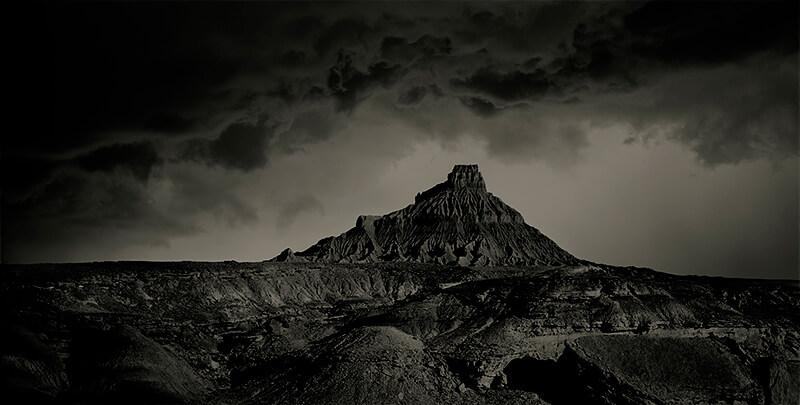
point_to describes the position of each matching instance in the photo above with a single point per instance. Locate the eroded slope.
(394, 333)
(454, 222)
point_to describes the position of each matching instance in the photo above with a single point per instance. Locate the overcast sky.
(654, 135)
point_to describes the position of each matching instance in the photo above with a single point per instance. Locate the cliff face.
(454, 222)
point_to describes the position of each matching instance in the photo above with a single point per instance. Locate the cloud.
(517, 30)
(241, 145)
(529, 81)
(344, 31)
(138, 158)
(85, 212)
(21, 173)
(486, 56)
(131, 78)
(713, 33)
(303, 204)
(509, 86)
(412, 96)
(168, 123)
(199, 194)
(399, 49)
(480, 106)
(297, 90)
(535, 52)
(626, 42)
(308, 126)
(756, 118)
(350, 85)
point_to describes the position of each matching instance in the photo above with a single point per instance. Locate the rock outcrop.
(288, 256)
(454, 222)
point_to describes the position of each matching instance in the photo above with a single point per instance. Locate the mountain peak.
(462, 179)
(466, 176)
(454, 222)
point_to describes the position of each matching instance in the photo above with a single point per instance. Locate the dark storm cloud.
(746, 109)
(194, 194)
(168, 123)
(726, 115)
(400, 49)
(242, 146)
(112, 72)
(177, 80)
(510, 86)
(616, 48)
(28, 181)
(342, 31)
(105, 80)
(509, 28)
(755, 127)
(307, 127)
(127, 89)
(100, 210)
(711, 32)
(85, 199)
(297, 90)
(350, 85)
(412, 96)
(138, 158)
(22, 173)
(480, 106)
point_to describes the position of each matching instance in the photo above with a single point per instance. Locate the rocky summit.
(451, 300)
(456, 222)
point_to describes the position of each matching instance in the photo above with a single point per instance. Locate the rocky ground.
(230, 333)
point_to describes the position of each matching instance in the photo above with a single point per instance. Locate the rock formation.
(377, 326)
(454, 222)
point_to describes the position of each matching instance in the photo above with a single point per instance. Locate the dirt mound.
(372, 364)
(642, 369)
(130, 368)
(29, 368)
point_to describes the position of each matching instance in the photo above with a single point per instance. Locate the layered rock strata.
(454, 222)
